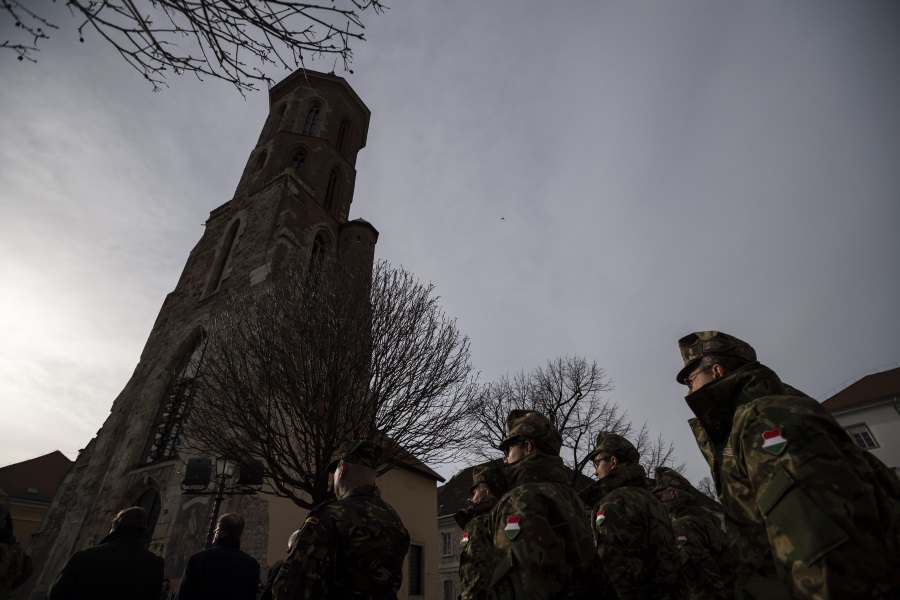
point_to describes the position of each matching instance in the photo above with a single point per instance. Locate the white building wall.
(883, 421)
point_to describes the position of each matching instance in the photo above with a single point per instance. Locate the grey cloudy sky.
(592, 178)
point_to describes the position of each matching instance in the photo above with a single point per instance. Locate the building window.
(176, 403)
(298, 163)
(333, 189)
(261, 161)
(312, 118)
(317, 256)
(343, 135)
(446, 544)
(416, 570)
(862, 436)
(149, 501)
(276, 122)
(225, 251)
(448, 590)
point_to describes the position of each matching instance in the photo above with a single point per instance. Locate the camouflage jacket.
(808, 515)
(633, 537)
(705, 556)
(15, 566)
(351, 547)
(476, 558)
(541, 538)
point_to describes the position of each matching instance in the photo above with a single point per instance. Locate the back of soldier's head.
(533, 426)
(134, 519)
(668, 478)
(614, 444)
(230, 525)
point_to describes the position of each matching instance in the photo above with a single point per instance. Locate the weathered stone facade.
(292, 202)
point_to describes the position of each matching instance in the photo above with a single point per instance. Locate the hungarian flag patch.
(512, 527)
(773, 442)
(465, 539)
(681, 539)
(600, 517)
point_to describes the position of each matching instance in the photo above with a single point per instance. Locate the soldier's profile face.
(480, 493)
(699, 378)
(604, 465)
(515, 452)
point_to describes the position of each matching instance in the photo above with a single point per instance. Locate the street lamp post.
(224, 471)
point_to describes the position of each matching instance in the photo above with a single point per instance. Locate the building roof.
(877, 386)
(36, 479)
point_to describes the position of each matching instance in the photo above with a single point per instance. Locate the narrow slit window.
(312, 119)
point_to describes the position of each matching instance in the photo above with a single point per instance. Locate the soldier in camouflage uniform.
(705, 556)
(632, 531)
(476, 559)
(350, 547)
(809, 514)
(542, 542)
(15, 565)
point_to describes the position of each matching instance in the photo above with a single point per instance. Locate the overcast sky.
(593, 178)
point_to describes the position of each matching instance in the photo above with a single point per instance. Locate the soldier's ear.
(718, 371)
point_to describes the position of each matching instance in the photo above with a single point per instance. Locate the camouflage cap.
(358, 452)
(532, 425)
(614, 443)
(670, 478)
(478, 477)
(710, 343)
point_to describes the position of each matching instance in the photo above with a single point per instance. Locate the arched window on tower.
(225, 252)
(312, 119)
(343, 136)
(298, 162)
(333, 189)
(318, 254)
(261, 161)
(276, 122)
(149, 501)
(177, 403)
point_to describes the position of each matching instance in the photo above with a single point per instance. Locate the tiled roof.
(36, 479)
(871, 387)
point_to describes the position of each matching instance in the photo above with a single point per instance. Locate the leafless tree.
(571, 392)
(706, 487)
(233, 41)
(305, 361)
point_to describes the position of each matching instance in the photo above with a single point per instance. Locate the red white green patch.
(512, 527)
(600, 517)
(465, 539)
(773, 442)
(681, 539)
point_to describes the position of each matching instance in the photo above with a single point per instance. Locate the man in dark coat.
(221, 571)
(119, 567)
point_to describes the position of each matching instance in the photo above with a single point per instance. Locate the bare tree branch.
(305, 361)
(706, 487)
(232, 40)
(571, 392)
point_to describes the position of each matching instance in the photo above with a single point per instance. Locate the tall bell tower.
(291, 206)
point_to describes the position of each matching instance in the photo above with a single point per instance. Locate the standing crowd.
(808, 514)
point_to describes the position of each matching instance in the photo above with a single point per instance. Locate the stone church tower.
(291, 204)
